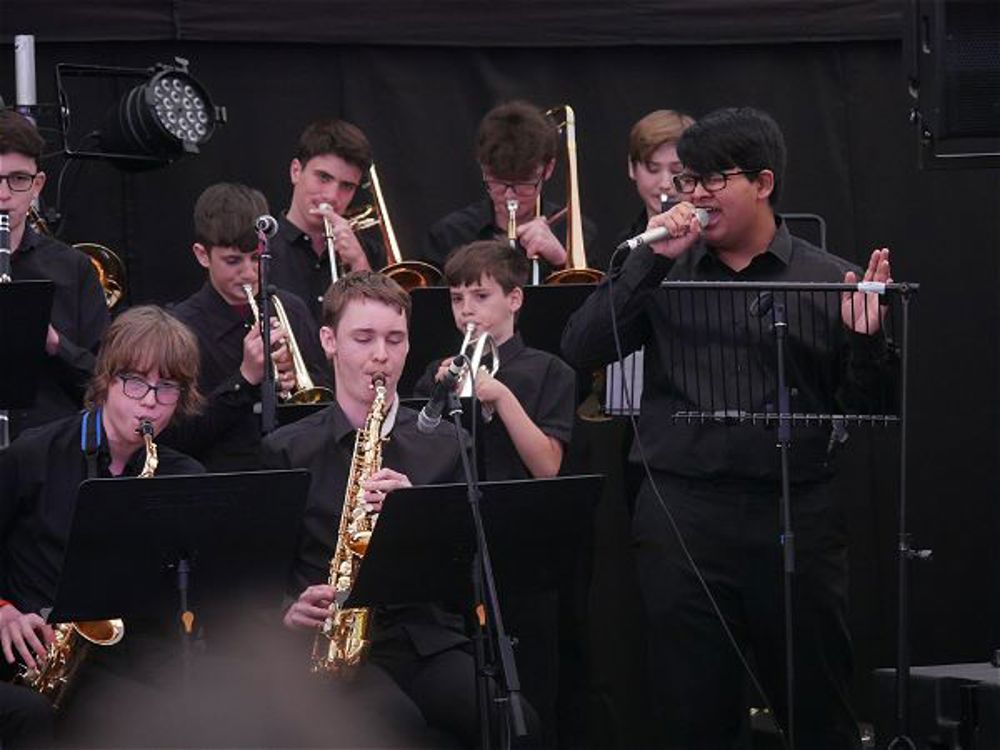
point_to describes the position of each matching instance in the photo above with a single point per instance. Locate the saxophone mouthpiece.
(378, 381)
(145, 428)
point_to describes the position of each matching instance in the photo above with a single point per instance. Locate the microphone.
(659, 233)
(430, 416)
(266, 225)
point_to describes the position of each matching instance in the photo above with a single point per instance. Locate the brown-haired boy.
(516, 148)
(227, 436)
(147, 370)
(532, 398)
(331, 162)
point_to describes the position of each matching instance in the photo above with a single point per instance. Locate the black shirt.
(79, 314)
(834, 368)
(296, 266)
(477, 222)
(39, 477)
(226, 436)
(544, 385)
(324, 444)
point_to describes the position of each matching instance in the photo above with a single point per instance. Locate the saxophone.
(342, 642)
(53, 677)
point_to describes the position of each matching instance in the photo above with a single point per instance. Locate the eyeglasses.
(712, 182)
(520, 189)
(19, 182)
(136, 388)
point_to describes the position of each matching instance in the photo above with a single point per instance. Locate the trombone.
(306, 392)
(576, 270)
(409, 274)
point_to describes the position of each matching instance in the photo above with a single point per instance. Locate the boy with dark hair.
(227, 436)
(516, 151)
(722, 482)
(531, 399)
(146, 370)
(331, 162)
(79, 311)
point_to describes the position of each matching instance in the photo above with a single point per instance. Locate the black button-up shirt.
(722, 353)
(296, 266)
(39, 477)
(544, 385)
(226, 436)
(79, 314)
(324, 444)
(477, 222)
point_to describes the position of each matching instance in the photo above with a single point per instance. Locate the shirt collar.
(780, 246)
(215, 306)
(29, 240)
(291, 233)
(510, 348)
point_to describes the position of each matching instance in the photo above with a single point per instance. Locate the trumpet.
(479, 351)
(306, 392)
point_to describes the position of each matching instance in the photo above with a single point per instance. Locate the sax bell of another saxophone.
(54, 676)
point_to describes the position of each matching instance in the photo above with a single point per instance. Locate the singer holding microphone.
(421, 647)
(331, 162)
(79, 312)
(722, 483)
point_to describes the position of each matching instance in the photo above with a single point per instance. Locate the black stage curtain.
(463, 23)
(852, 158)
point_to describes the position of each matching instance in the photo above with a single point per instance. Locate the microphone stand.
(483, 582)
(268, 395)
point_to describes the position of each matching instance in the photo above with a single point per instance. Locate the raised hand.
(861, 311)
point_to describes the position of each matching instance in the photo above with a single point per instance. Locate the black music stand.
(424, 545)
(160, 548)
(25, 309)
(753, 354)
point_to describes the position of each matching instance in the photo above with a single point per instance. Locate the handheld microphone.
(5, 251)
(430, 416)
(659, 233)
(266, 225)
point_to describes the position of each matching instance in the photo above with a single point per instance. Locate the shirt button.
(319, 298)
(317, 266)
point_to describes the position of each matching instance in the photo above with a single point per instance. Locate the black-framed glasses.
(520, 189)
(136, 388)
(19, 182)
(712, 182)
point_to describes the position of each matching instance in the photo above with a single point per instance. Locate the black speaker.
(952, 52)
(952, 707)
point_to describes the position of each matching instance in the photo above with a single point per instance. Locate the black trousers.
(697, 684)
(25, 718)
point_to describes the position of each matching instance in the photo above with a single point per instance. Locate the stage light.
(166, 116)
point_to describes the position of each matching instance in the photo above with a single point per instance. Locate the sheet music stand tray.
(424, 542)
(25, 310)
(238, 533)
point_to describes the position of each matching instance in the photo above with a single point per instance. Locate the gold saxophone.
(342, 642)
(54, 676)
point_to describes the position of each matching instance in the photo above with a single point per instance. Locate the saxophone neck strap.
(91, 437)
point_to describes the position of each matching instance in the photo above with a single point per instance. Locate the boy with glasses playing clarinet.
(79, 310)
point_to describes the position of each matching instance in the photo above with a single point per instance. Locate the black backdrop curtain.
(418, 76)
